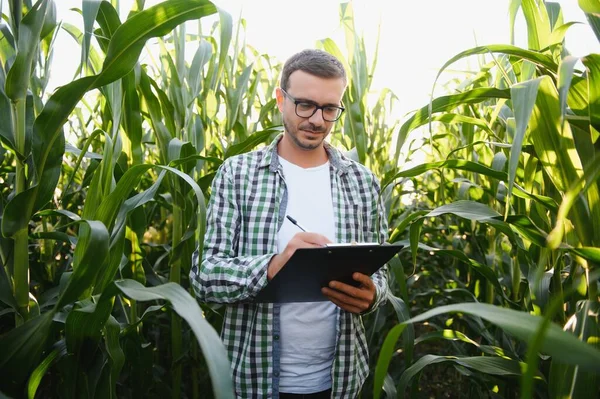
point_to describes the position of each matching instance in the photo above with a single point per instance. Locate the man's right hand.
(300, 240)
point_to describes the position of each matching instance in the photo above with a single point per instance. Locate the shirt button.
(276, 337)
(276, 374)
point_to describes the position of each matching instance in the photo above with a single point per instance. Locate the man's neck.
(301, 157)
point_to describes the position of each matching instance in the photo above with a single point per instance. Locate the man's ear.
(279, 96)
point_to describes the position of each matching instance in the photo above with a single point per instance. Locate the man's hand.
(300, 240)
(352, 299)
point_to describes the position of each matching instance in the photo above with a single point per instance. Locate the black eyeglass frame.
(317, 107)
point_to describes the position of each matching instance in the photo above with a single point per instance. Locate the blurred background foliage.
(104, 184)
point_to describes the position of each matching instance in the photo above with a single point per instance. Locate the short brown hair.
(315, 62)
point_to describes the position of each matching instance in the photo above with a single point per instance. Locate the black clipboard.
(310, 269)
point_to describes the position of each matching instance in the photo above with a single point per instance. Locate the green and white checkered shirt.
(246, 209)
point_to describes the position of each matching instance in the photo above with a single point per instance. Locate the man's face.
(308, 133)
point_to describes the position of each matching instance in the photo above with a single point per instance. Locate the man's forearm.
(229, 280)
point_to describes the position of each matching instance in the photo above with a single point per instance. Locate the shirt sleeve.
(378, 230)
(222, 276)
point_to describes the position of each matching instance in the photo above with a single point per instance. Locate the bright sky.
(417, 36)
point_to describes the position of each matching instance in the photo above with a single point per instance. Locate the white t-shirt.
(308, 329)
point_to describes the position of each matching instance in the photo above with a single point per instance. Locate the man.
(312, 350)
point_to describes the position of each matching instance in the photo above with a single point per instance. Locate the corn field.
(104, 182)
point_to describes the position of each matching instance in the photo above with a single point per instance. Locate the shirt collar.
(337, 160)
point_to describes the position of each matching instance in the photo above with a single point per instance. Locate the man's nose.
(317, 117)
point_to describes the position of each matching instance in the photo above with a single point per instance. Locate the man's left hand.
(352, 299)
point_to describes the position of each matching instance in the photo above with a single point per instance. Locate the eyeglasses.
(305, 109)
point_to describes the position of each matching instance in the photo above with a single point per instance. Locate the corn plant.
(78, 319)
(512, 178)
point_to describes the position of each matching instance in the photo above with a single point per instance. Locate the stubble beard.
(293, 134)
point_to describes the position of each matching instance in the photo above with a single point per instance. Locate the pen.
(291, 219)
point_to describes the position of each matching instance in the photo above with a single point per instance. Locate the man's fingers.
(363, 279)
(313, 238)
(351, 291)
(345, 306)
(358, 303)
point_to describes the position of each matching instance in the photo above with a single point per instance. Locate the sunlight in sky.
(417, 37)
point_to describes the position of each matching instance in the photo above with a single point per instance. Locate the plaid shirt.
(246, 209)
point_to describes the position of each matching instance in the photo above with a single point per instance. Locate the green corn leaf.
(132, 117)
(235, 97)
(108, 19)
(542, 199)
(408, 336)
(592, 65)
(514, 6)
(129, 39)
(570, 381)
(30, 29)
(203, 54)
(115, 258)
(555, 148)
(110, 206)
(562, 346)
(91, 251)
(179, 149)
(114, 210)
(456, 164)
(558, 34)
(565, 76)
(7, 135)
(83, 326)
(415, 233)
(7, 50)
(354, 124)
(538, 24)
(80, 155)
(174, 87)
(332, 48)
(589, 253)
(252, 141)
(162, 133)
(466, 209)
(404, 223)
(590, 6)
(484, 270)
(180, 161)
(112, 331)
(124, 49)
(535, 57)
(523, 96)
(527, 229)
(589, 181)
(41, 369)
(71, 149)
(594, 23)
(457, 118)
(50, 20)
(94, 58)
(226, 32)
(167, 108)
(484, 364)
(56, 236)
(554, 15)
(453, 335)
(389, 387)
(385, 356)
(6, 291)
(444, 104)
(89, 10)
(186, 307)
(21, 349)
